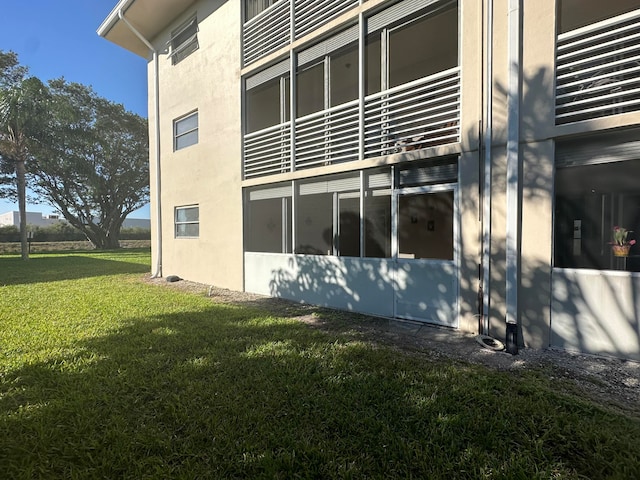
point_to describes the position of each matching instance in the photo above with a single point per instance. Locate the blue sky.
(57, 38)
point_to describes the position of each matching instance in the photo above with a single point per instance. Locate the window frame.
(177, 136)
(177, 223)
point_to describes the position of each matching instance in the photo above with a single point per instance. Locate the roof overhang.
(149, 17)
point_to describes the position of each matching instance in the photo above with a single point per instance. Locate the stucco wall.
(207, 174)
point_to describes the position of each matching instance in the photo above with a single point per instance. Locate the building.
(36, 219)
(457, 162)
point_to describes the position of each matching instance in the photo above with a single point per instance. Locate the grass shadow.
(227, 392)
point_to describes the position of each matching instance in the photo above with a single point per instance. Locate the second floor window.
(185, 131)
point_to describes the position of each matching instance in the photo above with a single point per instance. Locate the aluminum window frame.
(177, 223)
(177, 136)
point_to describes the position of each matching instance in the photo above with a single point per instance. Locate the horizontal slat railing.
(311, 14)
(267, 32)
(415, 115)
(268, 151)
(597, 69)
(328, 137)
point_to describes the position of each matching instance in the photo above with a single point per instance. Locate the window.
(268, 219)
(590, 201)
(268, 104)
(328, 216)
(187, 221)
(184, 40)
(328, 80)
(185, 131)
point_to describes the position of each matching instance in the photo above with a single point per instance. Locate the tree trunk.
(22, 207)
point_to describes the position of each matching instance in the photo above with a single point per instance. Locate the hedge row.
(63, 232)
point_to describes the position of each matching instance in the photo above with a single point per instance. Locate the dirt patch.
(608, 381)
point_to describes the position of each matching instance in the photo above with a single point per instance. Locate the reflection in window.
(184, 40)
(187, 221)
(425, 225)
(590, 201)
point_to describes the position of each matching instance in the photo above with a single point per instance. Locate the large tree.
(92, 164)
(23, 103)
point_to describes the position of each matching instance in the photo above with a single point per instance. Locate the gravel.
(611, 382)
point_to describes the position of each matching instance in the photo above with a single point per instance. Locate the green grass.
(105, 376)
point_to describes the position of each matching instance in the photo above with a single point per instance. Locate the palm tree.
(23, 108)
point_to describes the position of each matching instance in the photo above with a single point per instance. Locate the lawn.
(103, 375)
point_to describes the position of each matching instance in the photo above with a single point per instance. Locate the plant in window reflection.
(621, 244)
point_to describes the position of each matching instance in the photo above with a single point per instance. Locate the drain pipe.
(486, 198)
(156, 104)
(513, 179)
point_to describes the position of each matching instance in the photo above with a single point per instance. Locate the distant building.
(144, 223)
(37, 219)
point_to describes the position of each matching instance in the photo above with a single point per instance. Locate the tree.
(22, 113)
(92, 163)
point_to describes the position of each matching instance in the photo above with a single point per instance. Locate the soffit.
(149, 17)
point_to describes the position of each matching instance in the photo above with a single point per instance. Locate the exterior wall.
(208, 173)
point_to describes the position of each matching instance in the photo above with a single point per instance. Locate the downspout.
(486, 199)
(156, 104)
(513, 179)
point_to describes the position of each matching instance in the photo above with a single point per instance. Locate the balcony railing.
(415, 115)
(268, 151)
(598, 69)
(267, 32)
(270, 30)
(419, 114)
(326, 137)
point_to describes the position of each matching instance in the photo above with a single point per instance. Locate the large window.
(184, 40)
(187, 221)
(416, 49)
(268, 219)
(185, 131)
(328, 81)
(328, 216)
(591, 200)
(268, 104)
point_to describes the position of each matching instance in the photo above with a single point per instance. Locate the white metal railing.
(268, 151)
(311, 14)
(329, 136)
(418, 114)
(267, 32)
(271, 29)
(598, 69)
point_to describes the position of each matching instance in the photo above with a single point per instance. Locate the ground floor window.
(592, 201)
(355, 214)
(187, 221)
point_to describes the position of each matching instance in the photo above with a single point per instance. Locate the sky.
(57, 38)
